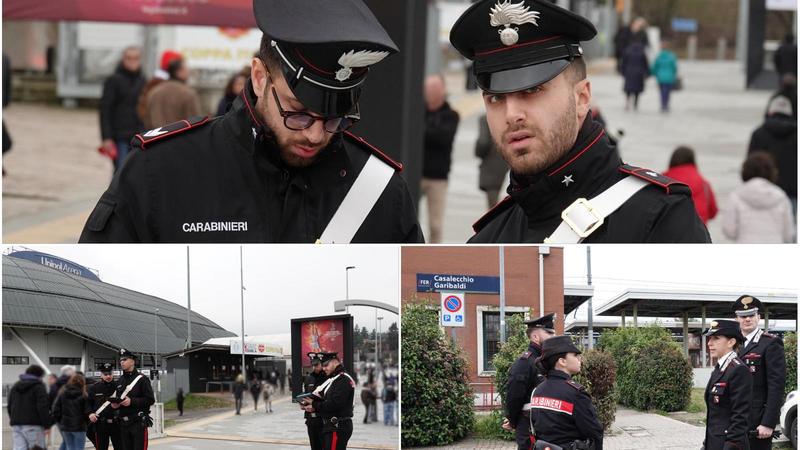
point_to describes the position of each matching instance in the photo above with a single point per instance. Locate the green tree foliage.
(436, 397)
(599, 376)
(646, 358)
(790, 348)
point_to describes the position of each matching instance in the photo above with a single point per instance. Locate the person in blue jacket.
(665, 69)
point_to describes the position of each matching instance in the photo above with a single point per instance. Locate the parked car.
(789, 417)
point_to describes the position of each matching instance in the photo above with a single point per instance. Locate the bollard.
(691, 48)
(722, 49)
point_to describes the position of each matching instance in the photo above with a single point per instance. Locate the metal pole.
(376, 342)
(347, 286)
(590, 322)
(541, 282)
(502, 252)
(703, 348)
(188, 302)
(241, 290)
(379, 336)
(155, 353)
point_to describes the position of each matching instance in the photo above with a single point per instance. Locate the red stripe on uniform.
(333, 441)
(552, 404)
(145, 438)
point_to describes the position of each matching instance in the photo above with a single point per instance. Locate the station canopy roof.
(36, 296)
(673, 303)
(575, 295)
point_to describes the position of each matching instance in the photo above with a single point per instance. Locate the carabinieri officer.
(333, 400)
(281, 165)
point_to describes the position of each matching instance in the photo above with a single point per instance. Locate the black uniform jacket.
(222, 180)
(141, 395)
(311, 382)
(727, 407)
(661, 212)
(562, 412)
(99, 393)
(522, 378)
(337, 399)
(765, 358)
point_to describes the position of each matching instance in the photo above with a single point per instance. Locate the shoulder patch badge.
(525, 355)
(360, 141)
(157, 134)
(575, 385)
(668, 184)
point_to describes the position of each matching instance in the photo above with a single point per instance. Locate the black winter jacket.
(778, 137)
(28, 403)
(440, 130)
(71, 409)
(118, 117)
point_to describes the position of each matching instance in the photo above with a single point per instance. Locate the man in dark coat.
(635, 69)
(568, 183)
(778, 137)
(29, 409)
(763, 354)
(118, 119)
(104, 426)
(785, 57)
(133, 413)
(493, 169)
(523, 376)
(561, 410)
(334, 403)
(441, 123)
(311, 382)
(280, 165)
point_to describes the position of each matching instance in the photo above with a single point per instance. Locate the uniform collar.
(558, 374)
(753, 336)
(535, 348)
(587, 169)
(725, 360)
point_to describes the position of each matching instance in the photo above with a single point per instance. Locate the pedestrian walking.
(119, 121)
(334, 402)
(728, 391)
(683, 167)
(255, 391)
(269, 392)
(71, 410)
(367, 399)
(29, 410)
(622, 38)
(103, 426)
(763, 354)
(635, 69)
(561, 410)
(133, 411)
(568, 182)
(523, 377)
(283, 383)
(758, 211)
(389, 398)
(665, 70)
(7, 143)
(238, 393)
(160, 75)
(233, 88)
(441, 123)
(280, 165)
(172, 100)
(493, 169)
(179, 399)
(785, 57)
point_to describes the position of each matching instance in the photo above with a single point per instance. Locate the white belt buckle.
(588, 208)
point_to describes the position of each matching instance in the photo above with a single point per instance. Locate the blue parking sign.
(446, 317)
(459, 318)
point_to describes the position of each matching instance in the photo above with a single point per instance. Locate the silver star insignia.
(567, 180)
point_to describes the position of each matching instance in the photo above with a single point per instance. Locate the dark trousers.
(180, 408)
(665, 91)
(104, 431)
(133, 436)
(314, 425)
(337, 438)
(238, 402)
(523, 432)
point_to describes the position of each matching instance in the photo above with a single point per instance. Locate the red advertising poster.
(230, 13)
(322, 336)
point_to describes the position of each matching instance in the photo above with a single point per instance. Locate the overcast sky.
(282, 282)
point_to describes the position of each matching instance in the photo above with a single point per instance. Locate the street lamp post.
(347, 285)
(241, 290)
(155, 350)
(379, 340)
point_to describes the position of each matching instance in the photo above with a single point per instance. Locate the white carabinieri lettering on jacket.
(211, 227)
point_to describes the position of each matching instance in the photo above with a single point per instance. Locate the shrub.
(790, 348)
(489, 426)
(599, 375)
(647, 357)
(436, 399)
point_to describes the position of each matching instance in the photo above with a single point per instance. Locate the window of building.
(63, 361)
(16, 360)
(489, 335)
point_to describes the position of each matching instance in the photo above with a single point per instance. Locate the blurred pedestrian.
(778, 137)
(639, 32)
(758, 211)
(682, 167)
(238, 393)
(119, 121)
(788, 89)
(441, 123)
(389, 398)
(665, 69)
(66, 373)
(179, 399)
(622, 39)
(367, 399)
(785, 57)
(282, 380)
(493, 169)
(71, 410)
(255, 391)
(232, 90)
(268, 394)
(29, 410)
(160, 75)
(635, 69)
(172, 100)
(6, 101)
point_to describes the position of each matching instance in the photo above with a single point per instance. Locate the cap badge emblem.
(361, 58)
(714, 324)
(747, 300)
(567, 180)
(506, 14)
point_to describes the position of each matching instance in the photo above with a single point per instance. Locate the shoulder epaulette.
(736, 362)
(361, 142)
(157, 134)
(501, 206)
(575, 385)
(768, 335)
(525, 355)
(668, 184)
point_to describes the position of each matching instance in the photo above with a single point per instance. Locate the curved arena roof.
(36, 296)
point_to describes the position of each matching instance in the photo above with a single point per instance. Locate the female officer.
(728, 391)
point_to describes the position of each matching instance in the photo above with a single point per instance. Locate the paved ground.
(55, 175)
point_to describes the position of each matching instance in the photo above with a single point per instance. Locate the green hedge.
(436, 397)
(647, 357)
(790, 348)
(599, 376)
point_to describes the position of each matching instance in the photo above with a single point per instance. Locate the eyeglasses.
(300, 120)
